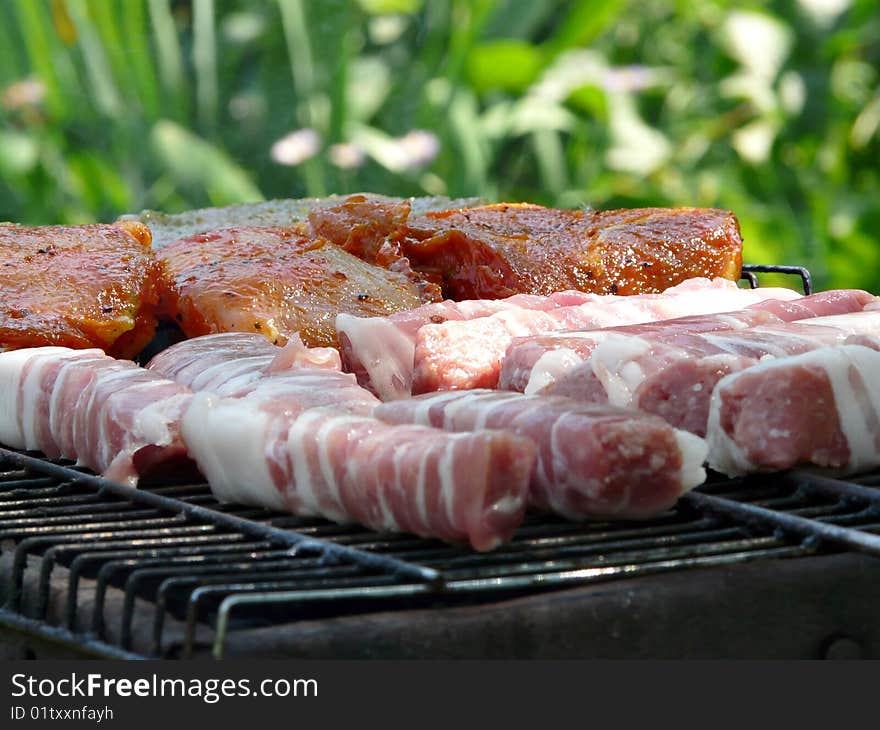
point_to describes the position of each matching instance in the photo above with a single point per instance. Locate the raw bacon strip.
(380, 350)
(821, 304)
(674, 377)
(278, 447)
(532, 363)
(592, 461)
(463, 355)
(821, 408)
(230, 362)
(108, 414)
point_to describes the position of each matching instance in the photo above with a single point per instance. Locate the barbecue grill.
(773, 565)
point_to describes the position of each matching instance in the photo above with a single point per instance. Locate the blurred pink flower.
(27, 92)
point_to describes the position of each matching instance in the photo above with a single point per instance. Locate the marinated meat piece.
(461, 355)
(821, 408)
(534, 362)
(498, 250)
(78, 286)
(372, 230)
(592, 461)
(273, 282)
(108, 414)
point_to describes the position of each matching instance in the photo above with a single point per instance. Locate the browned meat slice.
(275, 282)
(78, 286)
(372, 229)
(505, 249)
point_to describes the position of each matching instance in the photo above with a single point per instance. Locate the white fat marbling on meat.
(323, 435)
(854, 323)
(551, 365)
(384, 352)
(231, 376)
(694, 452)
(859, 435)
(612, 363)
(12, 364)
(155, 422)
(446, 464)
(421, 491)
(228, 441)
(299, 438)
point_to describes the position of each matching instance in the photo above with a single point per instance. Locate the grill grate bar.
(231, 522)
(749, 272)
(810, 529)
(826, 486)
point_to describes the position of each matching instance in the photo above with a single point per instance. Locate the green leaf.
(590, 99)
(510, 65)
(192, 162)
(389, 7)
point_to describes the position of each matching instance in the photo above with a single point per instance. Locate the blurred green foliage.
(769, 109)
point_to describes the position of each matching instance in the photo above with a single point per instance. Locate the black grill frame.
(227, 568)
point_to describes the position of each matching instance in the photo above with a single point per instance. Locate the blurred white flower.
(414, 150)
(296, 147)
(27, 92)
(419, 147)
(824, 12)
(792, 92)
(346, 155)
(754, 141)
(637, 147)
(758, 41)
(630, 78)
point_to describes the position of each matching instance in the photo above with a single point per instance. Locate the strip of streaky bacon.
(384, 352)
(596, 461)
(110, 415)
(534, 362)
(380, 350)
(304, 441)
(674, 378)
(818, 409)
(231, 362)
(463, 355)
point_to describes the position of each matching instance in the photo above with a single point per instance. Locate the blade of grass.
(107, 27)
(133, 24)
(205, 62)
(11, 68)
(550, 156)
(106, 95)
(171, 69)
(586, 21)
(299, 52)
(34, 22)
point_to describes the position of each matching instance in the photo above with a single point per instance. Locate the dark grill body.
(779, 565)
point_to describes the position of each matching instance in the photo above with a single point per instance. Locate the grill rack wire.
(224, 568)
